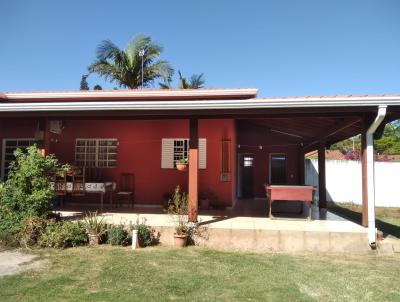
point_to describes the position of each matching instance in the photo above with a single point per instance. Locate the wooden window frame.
(83, 162)
(3, 152)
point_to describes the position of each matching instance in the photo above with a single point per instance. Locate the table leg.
(270, 208)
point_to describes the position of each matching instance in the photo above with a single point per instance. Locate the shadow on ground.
(355, 216)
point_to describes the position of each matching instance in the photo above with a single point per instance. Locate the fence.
(343, 181)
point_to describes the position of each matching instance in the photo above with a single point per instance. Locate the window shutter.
(202, 153)
(167, 153)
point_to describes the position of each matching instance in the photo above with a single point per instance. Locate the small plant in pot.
(204, 200)
(95, 227)
(178, 209)
(182, 164)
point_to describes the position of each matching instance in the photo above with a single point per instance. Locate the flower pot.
(204, 204)
(182, 166)
(180, 240)
(93, 239)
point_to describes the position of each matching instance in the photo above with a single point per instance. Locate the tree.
(84, 83)
(196, 81)
(124, 66)
(97, 87)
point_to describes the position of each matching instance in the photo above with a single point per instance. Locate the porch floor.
(247, 215)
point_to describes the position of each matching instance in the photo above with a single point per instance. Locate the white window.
(174, 149)
(181, 149)
(9, 146)
(96, 152)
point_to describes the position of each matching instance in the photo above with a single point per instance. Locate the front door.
(277, 169)
(247, 175)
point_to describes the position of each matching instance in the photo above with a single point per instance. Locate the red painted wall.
(251, 137)
(139, 152)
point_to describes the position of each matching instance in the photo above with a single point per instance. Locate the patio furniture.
(290, 193)
(60, 186)
(125, 187)
(78, 182)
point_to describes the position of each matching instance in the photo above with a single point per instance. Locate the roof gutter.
(371, 174)
(179, 105)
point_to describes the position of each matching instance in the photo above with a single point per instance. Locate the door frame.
(239, 180)
(270, 166)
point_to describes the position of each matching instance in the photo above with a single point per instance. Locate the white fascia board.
(131, 94)
(168, 105)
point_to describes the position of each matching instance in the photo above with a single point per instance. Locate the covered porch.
(241, 127)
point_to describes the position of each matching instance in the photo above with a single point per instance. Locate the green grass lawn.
(195, 274)
(387, 219)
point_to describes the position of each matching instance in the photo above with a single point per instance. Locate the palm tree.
(196, 81)
(124, 66)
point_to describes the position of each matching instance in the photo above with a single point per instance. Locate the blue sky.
(309, 47)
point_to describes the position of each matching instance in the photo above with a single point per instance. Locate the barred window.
(95, 152)
(181, 149)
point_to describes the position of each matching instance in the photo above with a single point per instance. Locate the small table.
(290, 193)
(97, 188)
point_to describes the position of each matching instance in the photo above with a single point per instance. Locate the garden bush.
(27, 192)
(32, 229)
(117, 235)
(63, 234)
(147, 236)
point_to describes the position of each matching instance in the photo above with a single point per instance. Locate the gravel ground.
(15, 262)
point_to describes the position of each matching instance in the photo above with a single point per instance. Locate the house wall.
(250, 138)
(139, 152)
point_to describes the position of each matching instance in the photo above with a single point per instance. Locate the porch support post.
(46, 137)
(364, 178)
(321, 176)
(193, 170)
(301, 159)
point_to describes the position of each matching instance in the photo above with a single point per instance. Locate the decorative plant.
(27, 192)
(184, 160)
(117, 235)
(178, 209)
(95, 226)
(146, 235)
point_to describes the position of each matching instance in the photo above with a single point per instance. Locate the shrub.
(32, 229)
(117, 235)
(27, 192)
(63, 234)
(147, 236)
(178, 210)
(94, 224)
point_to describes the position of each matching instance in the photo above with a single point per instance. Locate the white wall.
(343, 181)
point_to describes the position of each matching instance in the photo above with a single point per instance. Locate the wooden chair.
(78, 182)
(125, 189)
(60, 186)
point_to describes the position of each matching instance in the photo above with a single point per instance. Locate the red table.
(290, 193)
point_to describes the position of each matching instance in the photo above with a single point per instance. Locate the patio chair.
(60, 186)
(78, 182)
(126, 186)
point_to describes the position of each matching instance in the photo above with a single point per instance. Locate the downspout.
(371, 174)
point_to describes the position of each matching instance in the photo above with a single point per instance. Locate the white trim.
(168, 105)
(134, 93)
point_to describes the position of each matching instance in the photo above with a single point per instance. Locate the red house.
(235, 142)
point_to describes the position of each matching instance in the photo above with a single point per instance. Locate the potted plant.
(178, 209)
(204, 200)
(182, 164)
(95, 227)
